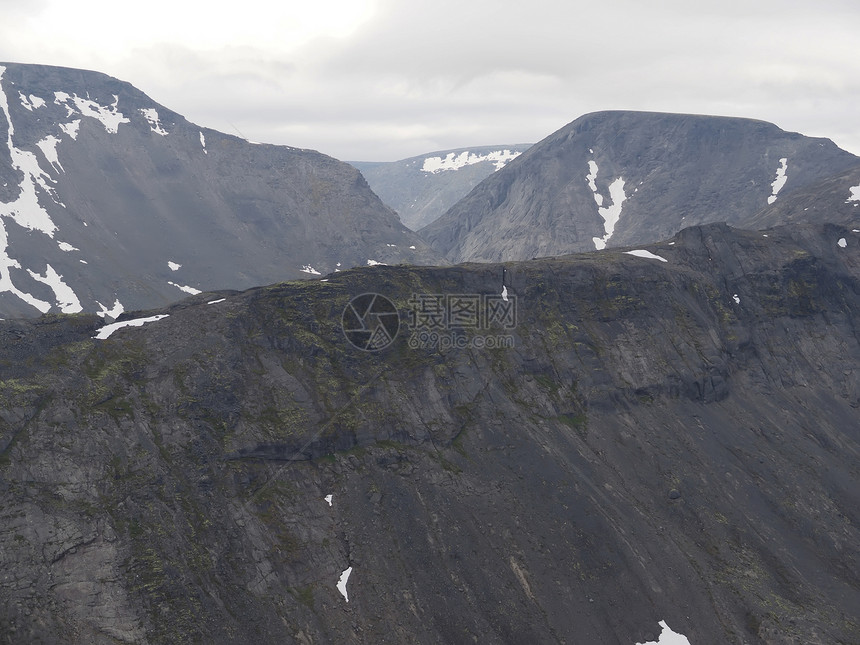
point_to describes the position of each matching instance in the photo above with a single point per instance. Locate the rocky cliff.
(110, 201)
(625, 437)
(618, 178)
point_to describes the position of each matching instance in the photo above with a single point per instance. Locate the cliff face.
(611, 179)
(647, 441)
(109, 200)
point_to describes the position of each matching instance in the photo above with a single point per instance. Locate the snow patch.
(341, 584)
(505, 293)
(612, 213)
(113, 312)
(736, 299)
(590, 178)
(32, 102)
(107, 330)
(26, 210)
(65, 246)
(372, 263)
(71, 128)
(328, 499)
(641, 253)
(668, 637)
(173, 265)
(185, 288)
(67, 300)
(854, 194)
(109, 116)
(780, 180)
(203, 143)
(151, 115)
(48, 146)
(412, 248)
(454, 161)
(215, 302)
(309, 269)
(842, 242)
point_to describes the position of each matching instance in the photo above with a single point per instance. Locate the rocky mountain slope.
(422, 188)
(617, 178)
(834, 199)
(622, 438)
(110, 200)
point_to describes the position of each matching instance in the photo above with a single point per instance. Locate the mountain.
(580, 449)
(422, 188)
(617, 178)
(109, 200)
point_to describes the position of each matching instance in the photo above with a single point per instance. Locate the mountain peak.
(622, 177)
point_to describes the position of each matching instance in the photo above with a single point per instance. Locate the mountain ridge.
(110, 201)
(625, 177)
(667, 440)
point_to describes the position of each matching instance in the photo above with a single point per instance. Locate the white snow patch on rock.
(25, 210)
(372, 263)
(736, 298)
(854, 194)
(668, 637)
(71, 128)
(151, 115)
(842, 242)
(32, 102)
(185, 288)
(328, 499)
(109, 116)
(642, 253)
(67, 300)
(203, 143)
(107, 330)
(590, 178)
(341, 584)
(454, 161)
(612, 213)
(215, 302)
(174, 266)
(309, 269)
(411, 248)
(113, 312)
(48, 146)
(65, 246)
(780, 180)
(504, 293)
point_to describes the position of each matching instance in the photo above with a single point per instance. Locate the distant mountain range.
(616, 178)
(110, 201)
(422, 188)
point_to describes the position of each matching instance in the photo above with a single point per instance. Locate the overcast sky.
(380, 80)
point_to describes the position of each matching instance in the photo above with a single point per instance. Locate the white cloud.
(390, 79)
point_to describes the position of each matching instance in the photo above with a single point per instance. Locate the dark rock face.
(660, 172)
(101, 188)
(661, 441)
(422, 188)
